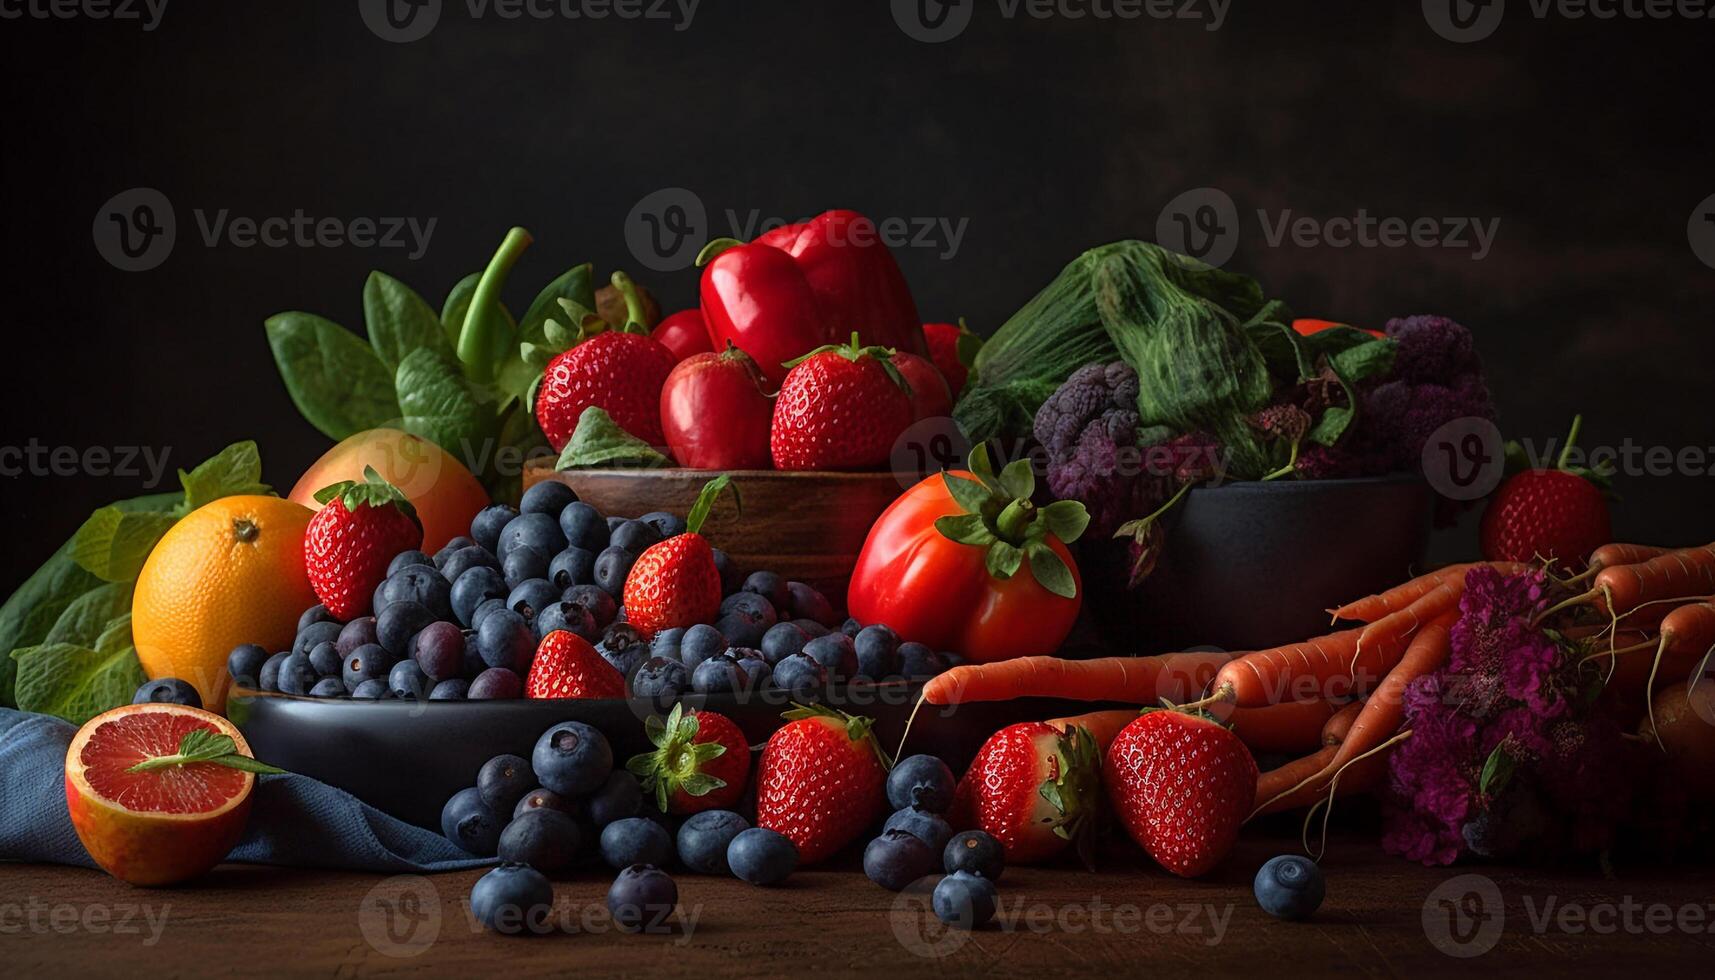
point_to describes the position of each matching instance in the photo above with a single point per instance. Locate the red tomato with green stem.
(964, 561)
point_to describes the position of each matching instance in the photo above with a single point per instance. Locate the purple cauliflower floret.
(1431, 349)
(1437, 377)
(1089, 429)
(1401, 416)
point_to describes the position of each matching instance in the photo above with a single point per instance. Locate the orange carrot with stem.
(1374, 607)
(1387, 637)
(1102, 725)
(1315, 669)
(1136, 680)
(1335, 731)
(1385, 710)
(1290, 726)
(1619, 589)
(1276, 782)
(1618, 553)
(1688, 630)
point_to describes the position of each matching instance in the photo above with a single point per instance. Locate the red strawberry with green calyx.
(1035, 789)
(840, 408)
(619, 371)
(820, 781)
(676, 582)
(701, 761)
(1559, 513)
(351, 540)
(1182, 784)
(566, 666)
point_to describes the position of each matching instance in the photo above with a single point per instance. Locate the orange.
(160, 826)
(444, 492)
(232, 572)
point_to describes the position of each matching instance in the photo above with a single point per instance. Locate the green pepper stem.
(1013, 521)
(635, 312)
(476, 336)
(714, 248)
(1571, 440)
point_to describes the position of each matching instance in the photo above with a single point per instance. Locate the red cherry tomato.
(930, 396)
(684, 333)
(716, 412)
(1306, 327)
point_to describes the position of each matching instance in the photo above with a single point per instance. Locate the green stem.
(636, 314)
(1291, 464)
(1184, 489)
(1571, 440)
(483, 319)
(715, 248)
(1014, 521)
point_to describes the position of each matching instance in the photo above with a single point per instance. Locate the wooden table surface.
(1383, 917)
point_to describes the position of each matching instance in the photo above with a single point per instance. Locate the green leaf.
(74, 682)
(576, 284)
(116, 636)
(88, 616)
(1017, 481)
(206, 745)
(399, 321)
(705, 500)
(599, 441)
(456, 305)
(1065, 519)
(965, 529)
(971, 496)
(233, 471)
(1497, 770)
(334, 378)
(982, 467)
(1003, 560)
(1050, 571)
(439, 403)
(113, 544)
(701, 784)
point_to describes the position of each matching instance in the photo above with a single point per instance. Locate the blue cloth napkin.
(294, 820)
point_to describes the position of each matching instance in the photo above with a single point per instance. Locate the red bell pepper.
(805, 286)
(684, 333)
(965, 562)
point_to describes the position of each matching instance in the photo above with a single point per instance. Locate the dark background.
(1589, 140)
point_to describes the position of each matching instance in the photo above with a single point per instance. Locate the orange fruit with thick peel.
(444, 492)
(231, 572)
(159, 826)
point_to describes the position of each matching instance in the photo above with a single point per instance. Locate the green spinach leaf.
(335, 380)
(576, 284)
(599, 441)
(399, 321)
(74, 682)
(443, 406)
(89, 615)
(112, 544)
(233, 471)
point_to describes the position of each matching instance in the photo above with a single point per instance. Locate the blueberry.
(496, 684)
(811, 628)
(642, 899)
(667, 524)
(504, 640)
(472, 589)
(568, 616)
(804, 602)
(835, 653)
(781, 641)
(762, 856)
(539, 531)
(976, 852)
(635, 840)
(753, 606)
(623, 646)
(539, 798)
(611, 567)
(583, 527)
(513, 899)
(756, 668)
(877, 652)
(486, 606)
(731, 578)
(367, 663)
(405, 559)
(574, 566)
(472, 824)
(1290, 887)
(597, 600)
(964, 900)
(407, 681)
(614, 522)
(851, 627)
(374, 689)
(740, 631)
(297, 676)
(170, 690)
(660, 680)
(666, 643)
(530, 595)
(318, 632)
(699, 643)
(526, 562)
(486, 526)
(268, 678)
(896, 859)
(720, 674)
(704, 838)
(548, 497)
(377, 601)
(921, 781)
(244, 664)
(317, 613)
(420, 585)
(503, 779)
(355, 634)
(398, 623)
(465, 559)
(620, 797)
(451, 548)
(546, 840)
(572, 759)
(325, 659)
(328, 687)
(800, 674)
(451, 689)
(440, 651)
(927, 827)
(917, 662)
(635, 536)
(768, 585)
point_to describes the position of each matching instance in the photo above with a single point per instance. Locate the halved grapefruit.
(163, 825)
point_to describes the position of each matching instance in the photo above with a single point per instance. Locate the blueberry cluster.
(567, 807)
(916, 841)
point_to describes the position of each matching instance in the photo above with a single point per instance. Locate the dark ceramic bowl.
(1247, 566)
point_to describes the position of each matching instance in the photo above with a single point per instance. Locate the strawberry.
(1557, 513)
(952, 348)
(619, 372)
(840, 408)
(350, 541)
(566, 666)
(676, 582)
(930, 396)
(700, 762)
(1034, 788)
(820, 781)
(1182, 784)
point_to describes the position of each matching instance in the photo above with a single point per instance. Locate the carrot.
(1385, 709)
(1334, 732)
(1290, 726)
(1610, 555)
(1102, 725)
(1620, 589)
(1273, 783)
(1374, 607)
(1361, 777)
(1176, 677)
(1386, 638)
(1688, 631)
(1315, 669)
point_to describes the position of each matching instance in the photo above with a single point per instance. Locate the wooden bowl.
(808, 526)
